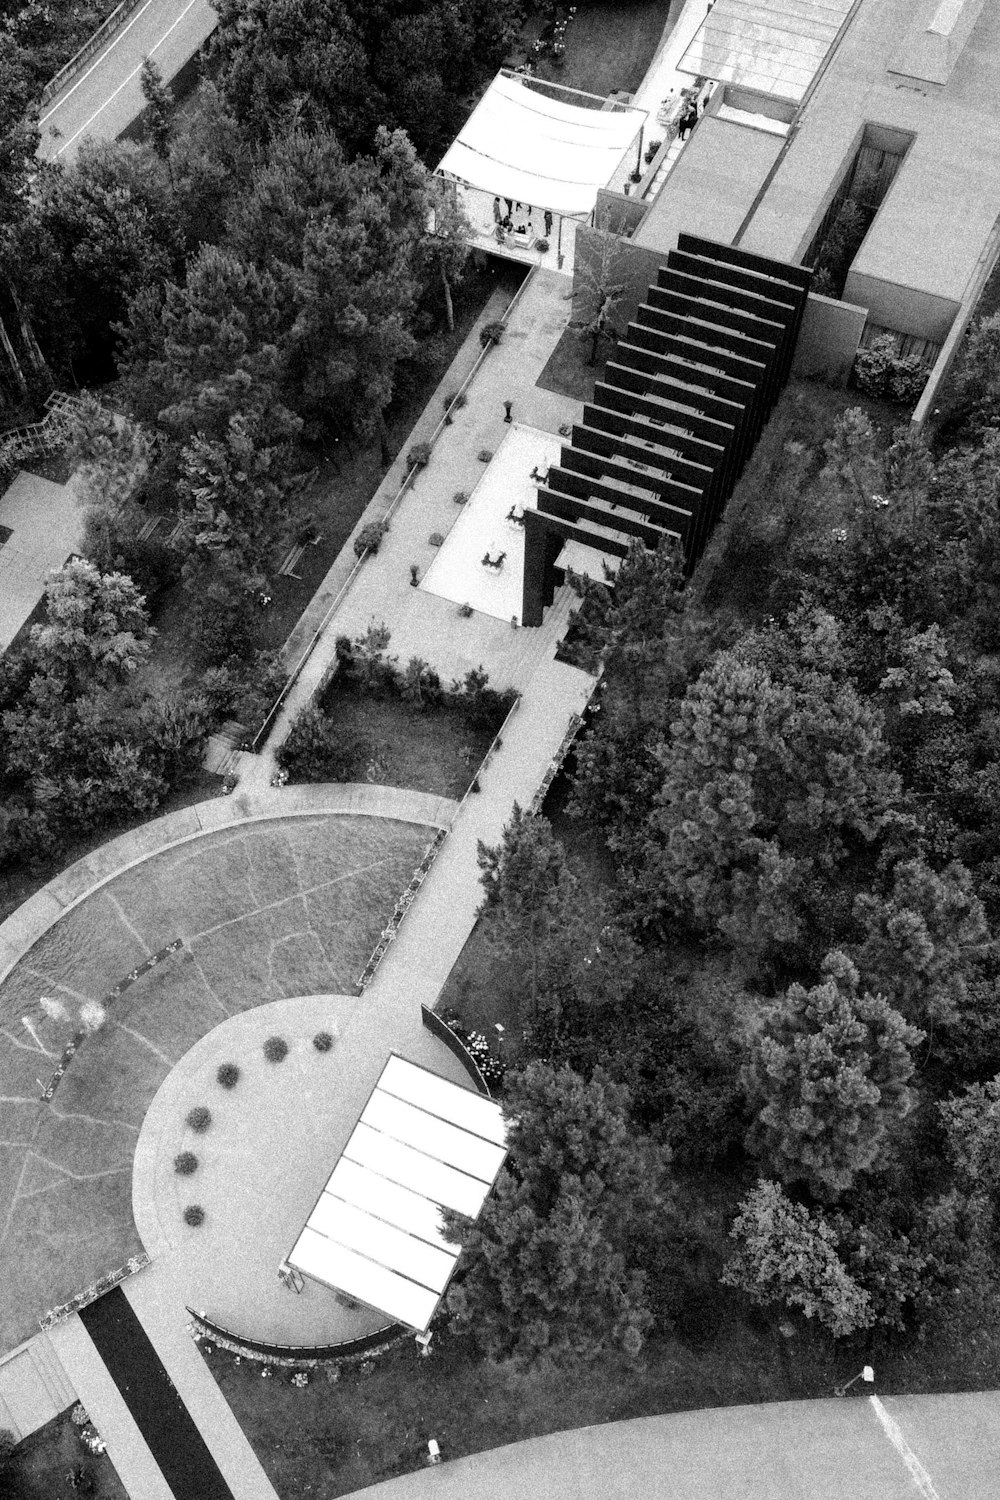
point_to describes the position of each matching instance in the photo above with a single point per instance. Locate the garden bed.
(43, 1463)
(431, 750)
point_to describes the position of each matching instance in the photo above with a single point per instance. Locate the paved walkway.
(902, 1448)
(104, 97)
(46, 524)
(422, 624)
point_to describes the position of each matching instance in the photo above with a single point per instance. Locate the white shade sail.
(376, 1231)
(519, 143)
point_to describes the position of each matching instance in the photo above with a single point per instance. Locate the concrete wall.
(635, 265)
(618, 213)
(901, 308)
(828, 339)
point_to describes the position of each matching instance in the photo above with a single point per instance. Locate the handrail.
(394, 503)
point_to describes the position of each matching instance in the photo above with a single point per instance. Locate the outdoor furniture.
(292, 559)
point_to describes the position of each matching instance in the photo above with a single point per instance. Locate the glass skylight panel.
(774, 48)
(457, 1148)
(440, 1097)
(387, 1200)
(345, 1271)
(414, 1170)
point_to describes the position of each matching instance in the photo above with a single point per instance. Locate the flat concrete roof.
(927, 238)
(713, 185)
(931, 228)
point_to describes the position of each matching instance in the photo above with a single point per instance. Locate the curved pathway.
(898, 1448)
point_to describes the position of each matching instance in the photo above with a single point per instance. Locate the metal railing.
(93, 44)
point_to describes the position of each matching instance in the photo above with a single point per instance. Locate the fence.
(556, 763)
(39, 439)
(455, 1045)
(298, 1354)
(93, 44)
(395, 502)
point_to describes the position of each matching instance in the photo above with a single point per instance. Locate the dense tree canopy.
(348, 65)
(549, 1267)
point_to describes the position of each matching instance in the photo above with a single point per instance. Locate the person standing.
(548, 224)
(497, 214)
(688, 121)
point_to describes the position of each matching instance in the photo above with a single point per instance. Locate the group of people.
(518, 218)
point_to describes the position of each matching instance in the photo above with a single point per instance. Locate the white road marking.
(126, 81)
(102, 54)
(918, 1473)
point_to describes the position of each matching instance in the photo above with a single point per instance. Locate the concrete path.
(46, 526)
(137, 1469)
(905, 1448)
(104, 97)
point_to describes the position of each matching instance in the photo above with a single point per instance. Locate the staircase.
(34, 1387)
(39, 439)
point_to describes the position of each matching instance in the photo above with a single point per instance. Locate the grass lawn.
(266, 911)
(481, 988)
(375, 1422)
(567, 371)
(735, 569)
(432, 750)
(44, 1461)
(609, 44)
(17, 885)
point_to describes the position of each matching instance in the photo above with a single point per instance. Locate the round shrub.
(322, 1041)
(228, 1075)
(419, 456)
(460, 497)
(491, 333)
(435, 539)
(185, 1163)
(194, 1215)
(199, 1118)
(276, 1049)
(369, 538)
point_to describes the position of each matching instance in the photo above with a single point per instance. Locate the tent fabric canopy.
(519, 143)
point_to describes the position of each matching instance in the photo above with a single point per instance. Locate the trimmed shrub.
(322, 1041)
(880, 370)
(194, 1215)
(485, 455)
(435, 539)
(455, 401)
(491, 333)
(419, 456)
(228, 1075)
(369, 538)
(460, 497)
(185, 1163)
(276, 1049)
(199, 1118)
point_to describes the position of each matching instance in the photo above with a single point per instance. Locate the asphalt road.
(905, 1448)
(104, 97)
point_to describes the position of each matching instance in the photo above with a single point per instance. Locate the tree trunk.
(28, 334)
(449, 310)
(8, 349)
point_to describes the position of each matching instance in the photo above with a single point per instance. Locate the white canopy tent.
(375, 1233)
(550, 152)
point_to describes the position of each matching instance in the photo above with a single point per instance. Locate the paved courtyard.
(266, 910)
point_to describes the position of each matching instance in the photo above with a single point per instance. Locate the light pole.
(867, 1375)
(499, 1029)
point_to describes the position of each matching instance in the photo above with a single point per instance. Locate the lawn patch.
(567, 372)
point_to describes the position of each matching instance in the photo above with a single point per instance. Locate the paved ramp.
(104, 97)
